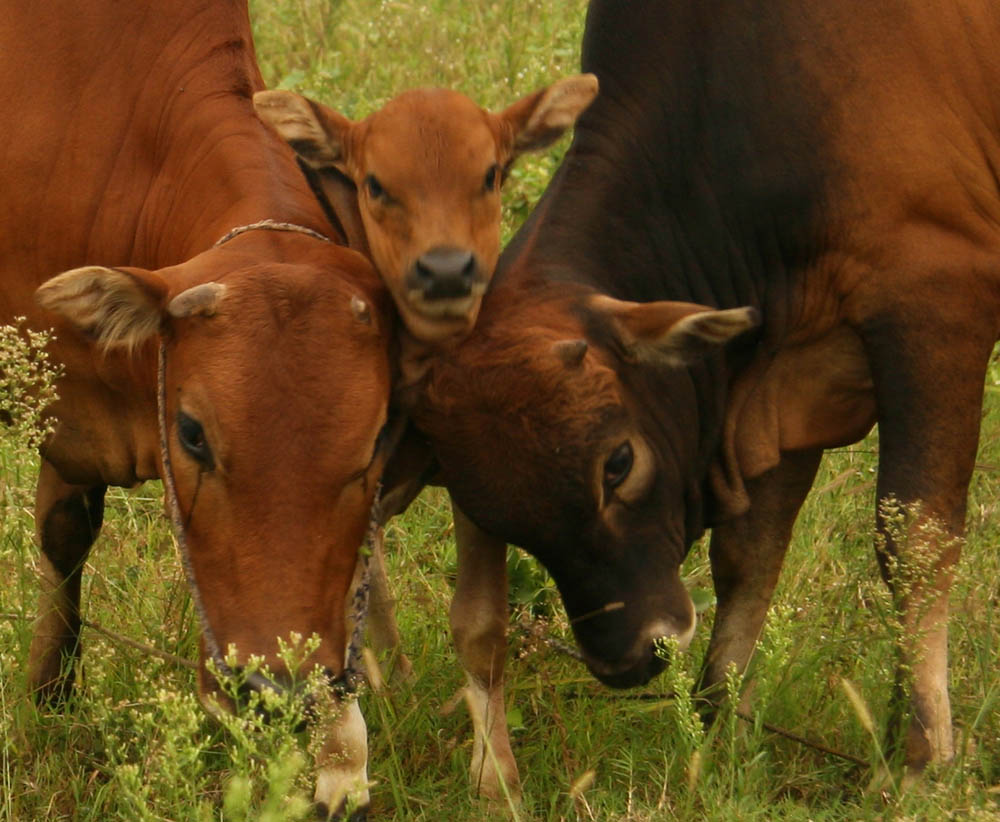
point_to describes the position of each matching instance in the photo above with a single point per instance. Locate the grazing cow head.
(417, 185)
(276, 386)
(565, 427)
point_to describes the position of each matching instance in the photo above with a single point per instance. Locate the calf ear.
(117, 307)
(538, 120)
(319, 136)
(675, 333)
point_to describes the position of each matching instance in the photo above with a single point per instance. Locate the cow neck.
(351, 676)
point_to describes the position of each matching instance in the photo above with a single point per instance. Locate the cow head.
(571, 428)
(276, 385)
(417, 184)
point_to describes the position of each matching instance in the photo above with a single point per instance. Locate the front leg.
(382, 627)
(747, 554)
(68, 519)
(479, 618)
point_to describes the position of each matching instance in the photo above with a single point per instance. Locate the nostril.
(469, 269)
(424, 272)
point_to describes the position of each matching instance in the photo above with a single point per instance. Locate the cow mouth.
(445, 308)
(643, 660)
(626, 673)
(439, 322)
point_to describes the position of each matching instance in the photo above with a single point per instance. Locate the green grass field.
(134, 745)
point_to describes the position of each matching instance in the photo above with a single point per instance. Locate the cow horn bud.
(361, 311)
(571, 352)
(202, 300)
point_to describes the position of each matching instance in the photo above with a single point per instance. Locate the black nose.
(444, 273)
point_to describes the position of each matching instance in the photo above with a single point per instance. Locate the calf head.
(276, 388)
(417, 184)
(569, 428)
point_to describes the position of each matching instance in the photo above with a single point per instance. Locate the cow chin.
(441, 320)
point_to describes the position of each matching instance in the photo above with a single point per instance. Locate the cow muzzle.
(643, 659)
(295, 702)
(445, 273)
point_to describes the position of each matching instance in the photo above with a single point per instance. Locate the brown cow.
(131, 149)
(417, 186)
(821, 172)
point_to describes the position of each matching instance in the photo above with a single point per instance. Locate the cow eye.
(618, 465)
(490, 183)
(375, 190)
(192, 438)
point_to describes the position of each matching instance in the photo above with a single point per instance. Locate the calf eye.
(490, 183)
(192, 439)
(617, 466)
(375, 190)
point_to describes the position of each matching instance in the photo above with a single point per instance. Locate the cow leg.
(342, 764)
(479, 626)
(929, 387)
(382, 627)
(746, 555)
(67, 520)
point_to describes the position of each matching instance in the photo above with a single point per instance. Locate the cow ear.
(320, 137)
(538, 120)
(675, 333)
(119, 308)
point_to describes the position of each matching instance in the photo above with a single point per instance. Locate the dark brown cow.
(131, 147)
(417, 185)
(778, 224)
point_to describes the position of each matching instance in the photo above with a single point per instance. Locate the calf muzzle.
(444, 273)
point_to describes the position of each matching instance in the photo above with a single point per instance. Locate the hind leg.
(929, 385)
(68, 518)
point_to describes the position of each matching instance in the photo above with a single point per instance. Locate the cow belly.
(815, 395)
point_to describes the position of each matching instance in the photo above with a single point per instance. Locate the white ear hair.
(299, 123)
(117, 308)
(201, 299)
(556, 110)
(692, 338)
(675, 333)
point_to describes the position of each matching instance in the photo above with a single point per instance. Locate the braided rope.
(353, 674)
(269, 225)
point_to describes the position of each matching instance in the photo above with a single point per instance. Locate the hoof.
(357, 815)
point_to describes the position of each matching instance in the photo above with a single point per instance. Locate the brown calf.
(417, 186)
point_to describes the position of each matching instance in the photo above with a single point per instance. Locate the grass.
(134, 745)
